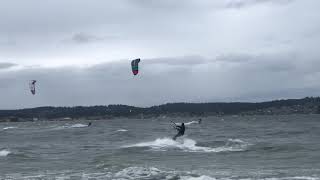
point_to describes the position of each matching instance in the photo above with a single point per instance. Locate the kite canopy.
(32, 86)
(134, 66)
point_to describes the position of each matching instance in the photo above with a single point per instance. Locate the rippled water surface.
(231, 147)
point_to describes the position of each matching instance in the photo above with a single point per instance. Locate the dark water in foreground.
(251, 147)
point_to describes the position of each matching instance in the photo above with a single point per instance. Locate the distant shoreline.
(308, 105)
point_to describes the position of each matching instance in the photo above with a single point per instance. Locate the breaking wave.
(197, 178)
(78, 126)
(129, 173)
(4, 153)
(294, 178)
(70, 126)
(121, 130)
(189, 145)
(155, 173)
(141, 173)
(10, 127)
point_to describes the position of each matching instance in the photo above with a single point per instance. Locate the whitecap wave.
(59, 127)
(121, 130)
(188, 145)
(70, 126)
(155, 173)
(197, 178)
(140, 173)
(235, 141)
(294, 178)
(10, 127)
(128, 173)
(78, 126)
(4, 153)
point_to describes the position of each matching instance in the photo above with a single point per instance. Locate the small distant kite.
(32, 86)
(135, 66)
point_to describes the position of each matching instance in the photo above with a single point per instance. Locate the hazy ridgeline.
(278, 107)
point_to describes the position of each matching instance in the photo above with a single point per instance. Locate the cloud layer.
(191, 51)
(4, 65)
(226, 78)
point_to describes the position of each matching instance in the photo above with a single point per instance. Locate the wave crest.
(155, 173)
(189, 145)
(121, 130)
(10, 127)
(4, 153)
(78, 126)
(198, 178)
(139, 173)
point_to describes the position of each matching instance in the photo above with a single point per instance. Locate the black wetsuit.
(180, 130)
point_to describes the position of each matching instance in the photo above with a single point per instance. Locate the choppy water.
(250, 147)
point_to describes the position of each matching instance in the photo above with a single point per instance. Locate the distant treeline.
(308, 105)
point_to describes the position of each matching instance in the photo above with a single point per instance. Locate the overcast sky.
(190, 50)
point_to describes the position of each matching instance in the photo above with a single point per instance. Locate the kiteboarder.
(89, 124)
(180, 130)
(199, 121)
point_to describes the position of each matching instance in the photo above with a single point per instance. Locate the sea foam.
(4, 153)
(78, 126)
(10, 127)
(189, 145)
(121, 130)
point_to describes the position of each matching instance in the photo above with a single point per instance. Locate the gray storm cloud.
(6, 65)
(85, 38)
(221, 79)
(191, 51)
(245, 3)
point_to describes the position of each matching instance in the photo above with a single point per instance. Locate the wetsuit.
(180, 130)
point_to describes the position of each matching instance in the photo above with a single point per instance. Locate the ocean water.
(230, 147)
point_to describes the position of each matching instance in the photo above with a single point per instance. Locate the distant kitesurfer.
(199, 121)
(89, 124)
(180, 130)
